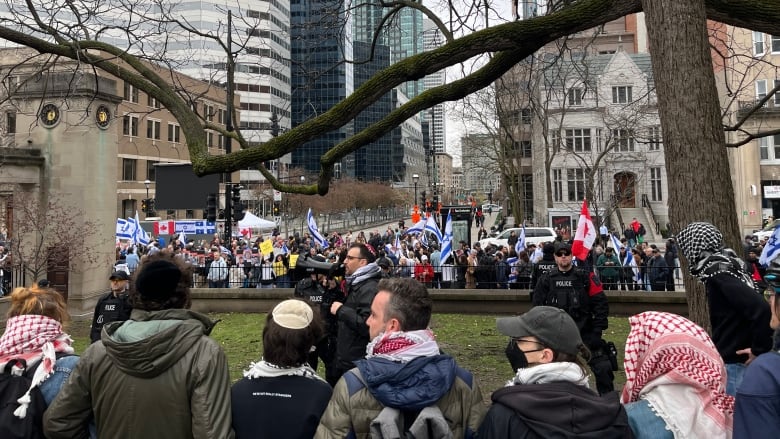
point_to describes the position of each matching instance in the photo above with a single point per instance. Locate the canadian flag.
(164, 227)
(247, 233)
(585, 236)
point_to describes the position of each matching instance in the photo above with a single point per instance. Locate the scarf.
(403, 346)
(550, 373)
(702, 245)
(365, 272)
(264, 369)
(34, 339)
(672, 363)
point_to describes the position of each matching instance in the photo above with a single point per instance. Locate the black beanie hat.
(157, 280)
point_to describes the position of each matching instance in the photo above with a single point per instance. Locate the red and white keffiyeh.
(673, 364)
(35, 339)
(403, 346)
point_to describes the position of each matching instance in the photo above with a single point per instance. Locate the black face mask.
(515, 356)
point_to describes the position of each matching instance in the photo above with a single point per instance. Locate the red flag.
(585, 236)
(164, 228)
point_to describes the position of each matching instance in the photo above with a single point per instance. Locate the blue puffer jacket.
(757, 409)
(419, 383)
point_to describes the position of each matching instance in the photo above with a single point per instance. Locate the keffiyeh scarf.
(673, 364)
(702, 245)
(403, 346)
(365, 272)
(35, 339)
(264, 369)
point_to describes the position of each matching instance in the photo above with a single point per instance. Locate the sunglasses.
(563, 253)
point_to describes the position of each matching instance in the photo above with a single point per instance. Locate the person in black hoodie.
(549, 395)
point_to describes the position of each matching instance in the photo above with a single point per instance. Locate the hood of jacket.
(565, 409)
(410, 386)
(152, 341)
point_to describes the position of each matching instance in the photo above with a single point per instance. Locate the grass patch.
(471, 339)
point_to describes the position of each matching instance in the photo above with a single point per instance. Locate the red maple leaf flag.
(164, 228)
(585, 236)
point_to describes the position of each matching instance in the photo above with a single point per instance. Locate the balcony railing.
(770, 106)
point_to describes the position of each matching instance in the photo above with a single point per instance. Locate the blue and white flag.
(397, 242)
(424, 239)
(139, 234)
(417, 228)
(182, 238)
(771, 249)
(315, 233)
(520, 246)
(431, 226)
(446, 243)
(615, 242)
(512, 263)
(124, 229)
(285, 250)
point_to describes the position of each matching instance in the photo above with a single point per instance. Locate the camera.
(308, 265)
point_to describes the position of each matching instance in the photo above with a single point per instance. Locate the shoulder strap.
(354, 380)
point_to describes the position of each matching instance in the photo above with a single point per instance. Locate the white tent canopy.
(254, 222)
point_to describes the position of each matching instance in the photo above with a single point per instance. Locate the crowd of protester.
(157, 373)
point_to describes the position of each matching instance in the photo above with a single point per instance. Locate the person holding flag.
(314, 231)
(585, 235)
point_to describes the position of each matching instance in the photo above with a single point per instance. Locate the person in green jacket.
(608, 266)
(157, 375)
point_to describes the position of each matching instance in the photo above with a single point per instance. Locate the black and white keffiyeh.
(702, 245)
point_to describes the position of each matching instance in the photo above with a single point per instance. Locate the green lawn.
(472, 339)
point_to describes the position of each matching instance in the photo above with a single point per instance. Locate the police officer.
(581, 295)
(544, 265)
(114, 306)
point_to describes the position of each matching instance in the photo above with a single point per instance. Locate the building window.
(528, 195)
(525, 115)
(128, 208)
(758, 43)
(769, 148)
(208, 112)
(152, 102)
(655, 184)
(153, 129)
(775, 44)
(760, 89)
(174, 133)
(623, 140)
(557, 185)
(220, 141)
(128, 169)
(130, 93)
(10, 122)
(221, 116)
(150, 170)
(575, 179)
(525, 148)
(578, 140)
(130, 126)
(622, 94)
(654, 138)
(763, 148)
(777, 93)
(189, 214)
(575, 97)
(210, 139)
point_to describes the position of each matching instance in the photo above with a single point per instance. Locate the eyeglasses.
(563, 253)
(349, 258)
(518, 340)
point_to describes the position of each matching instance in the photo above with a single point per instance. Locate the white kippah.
(293, 314)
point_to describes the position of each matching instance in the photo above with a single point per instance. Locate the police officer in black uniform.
(581, 295)
(114, 306)
(544, 265)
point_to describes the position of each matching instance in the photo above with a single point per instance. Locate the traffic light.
(145, 205)
(238, 205)
(422, 198)
(150, 205)
(211, 208)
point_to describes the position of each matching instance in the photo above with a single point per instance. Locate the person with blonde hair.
(34, 343)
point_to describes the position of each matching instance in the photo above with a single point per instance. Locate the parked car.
(491, 207)
(533, 235)
(766, 232)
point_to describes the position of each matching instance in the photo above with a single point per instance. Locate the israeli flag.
(285, 250)
(512, 262)
(397, 243)
(615, 242)
(520, 246)
(315, 233)
(431, 226)
(139, 234)
(424, 239)
(771, 249)
(124, 229)
(446, 243)
(417, 228)
(182, 237)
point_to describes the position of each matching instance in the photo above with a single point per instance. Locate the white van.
(533, 235)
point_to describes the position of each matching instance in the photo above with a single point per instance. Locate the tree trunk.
(697, 167)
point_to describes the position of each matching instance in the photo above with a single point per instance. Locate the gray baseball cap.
(551, 326)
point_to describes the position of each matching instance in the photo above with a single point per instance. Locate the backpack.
(392, 423)
(642, 230)
(14, 383)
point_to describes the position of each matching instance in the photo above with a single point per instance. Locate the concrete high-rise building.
(435, 116)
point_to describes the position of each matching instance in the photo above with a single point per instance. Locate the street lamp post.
(147, 182)
(415, 179)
